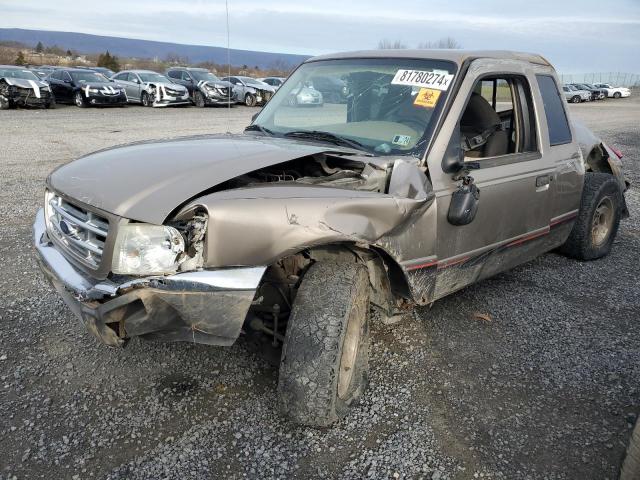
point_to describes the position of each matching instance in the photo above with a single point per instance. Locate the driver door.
(508, 167)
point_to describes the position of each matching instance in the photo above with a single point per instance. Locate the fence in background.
(615, 79)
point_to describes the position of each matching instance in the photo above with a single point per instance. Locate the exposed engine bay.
(319, 169)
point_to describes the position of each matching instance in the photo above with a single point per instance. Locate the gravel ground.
(547, 388)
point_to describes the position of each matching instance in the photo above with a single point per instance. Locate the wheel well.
(597, 160)
(277, 290)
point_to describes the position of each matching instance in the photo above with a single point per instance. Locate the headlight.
(143, 249)
(48, 209)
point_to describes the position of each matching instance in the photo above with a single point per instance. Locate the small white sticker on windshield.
(402, 140)
(420, 78)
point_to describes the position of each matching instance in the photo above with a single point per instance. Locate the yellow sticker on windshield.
(427, 98)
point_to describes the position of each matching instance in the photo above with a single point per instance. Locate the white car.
(615, 92)
(576, 95)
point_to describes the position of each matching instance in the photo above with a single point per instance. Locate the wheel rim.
(350, 347)
(602, 221)
(199, 100)
(145, 99)
(78, 99)
(249, 101)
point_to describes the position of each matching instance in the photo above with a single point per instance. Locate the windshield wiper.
(327, 137)
(258, 128)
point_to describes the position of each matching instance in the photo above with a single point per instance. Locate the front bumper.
(207, 306)
(100, 99)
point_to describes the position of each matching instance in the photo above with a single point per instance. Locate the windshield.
(387, 105)
(84, 77)
(18, 73)
(205, 76)
(153, 77)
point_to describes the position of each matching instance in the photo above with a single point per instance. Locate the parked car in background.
(151, 89)
(42, 71)
(576, 95)
(101, 70)
(204, 87)
(304, 94)
(84, 87)
(334, 90)
(250, 91)
(19, 86)
(614, 92)
(596, 93)
(275, 82)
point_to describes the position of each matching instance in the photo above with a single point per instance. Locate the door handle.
(543, 180)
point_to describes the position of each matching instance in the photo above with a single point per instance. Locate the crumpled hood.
(173, 86)
(146, 181)
(25, 83)
(218, 84)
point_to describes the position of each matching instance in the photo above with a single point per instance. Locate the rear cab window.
(554, 110)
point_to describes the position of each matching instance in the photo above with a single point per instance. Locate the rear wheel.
(325, 355)
(198, 99)
(595, 229)
(250, 100)
(79, 99)
(617, 95)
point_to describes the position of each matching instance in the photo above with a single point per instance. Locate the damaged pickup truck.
(420, 184)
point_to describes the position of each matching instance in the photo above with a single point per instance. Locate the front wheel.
(51, 103)
(325, 356)
(250, 100)
(198, 99)
(598, 219)
(575, 99)
(617, 95)
(79, 99)
(4, 104)
(146, 100)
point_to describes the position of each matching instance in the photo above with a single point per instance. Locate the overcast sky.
(577, 36)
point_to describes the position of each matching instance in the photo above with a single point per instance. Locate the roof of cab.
(456, 56)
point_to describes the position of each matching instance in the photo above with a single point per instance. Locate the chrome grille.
(79, 232)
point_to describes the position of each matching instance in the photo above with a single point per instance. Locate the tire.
(617, 95)
(250, 100)
(79, 99)
(325, 356)
(198, 99)
(575, 99)
(631, 466)
(51, 104)
(598, 219)
(4, 104)
(146, 100)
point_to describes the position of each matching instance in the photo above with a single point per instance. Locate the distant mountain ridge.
(130, 47)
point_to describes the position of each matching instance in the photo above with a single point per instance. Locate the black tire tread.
(579, 245)
(307, 384)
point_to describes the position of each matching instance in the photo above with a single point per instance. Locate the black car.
(596, 93)
(204, 87)
(333, 90)
(19, 86)
(85, 87)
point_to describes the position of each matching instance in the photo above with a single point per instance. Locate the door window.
(557, 123)
(499, 118)
(66, 77)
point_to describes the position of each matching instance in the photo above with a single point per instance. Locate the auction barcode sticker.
(419, 78)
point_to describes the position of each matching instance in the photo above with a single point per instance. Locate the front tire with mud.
(325, 356)
(598, 219)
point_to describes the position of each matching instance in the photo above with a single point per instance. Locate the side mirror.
(464, 203)
(453, 161)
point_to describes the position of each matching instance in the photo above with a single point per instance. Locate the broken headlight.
(143, 249)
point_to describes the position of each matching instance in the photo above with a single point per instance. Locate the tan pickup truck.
(431, 171)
